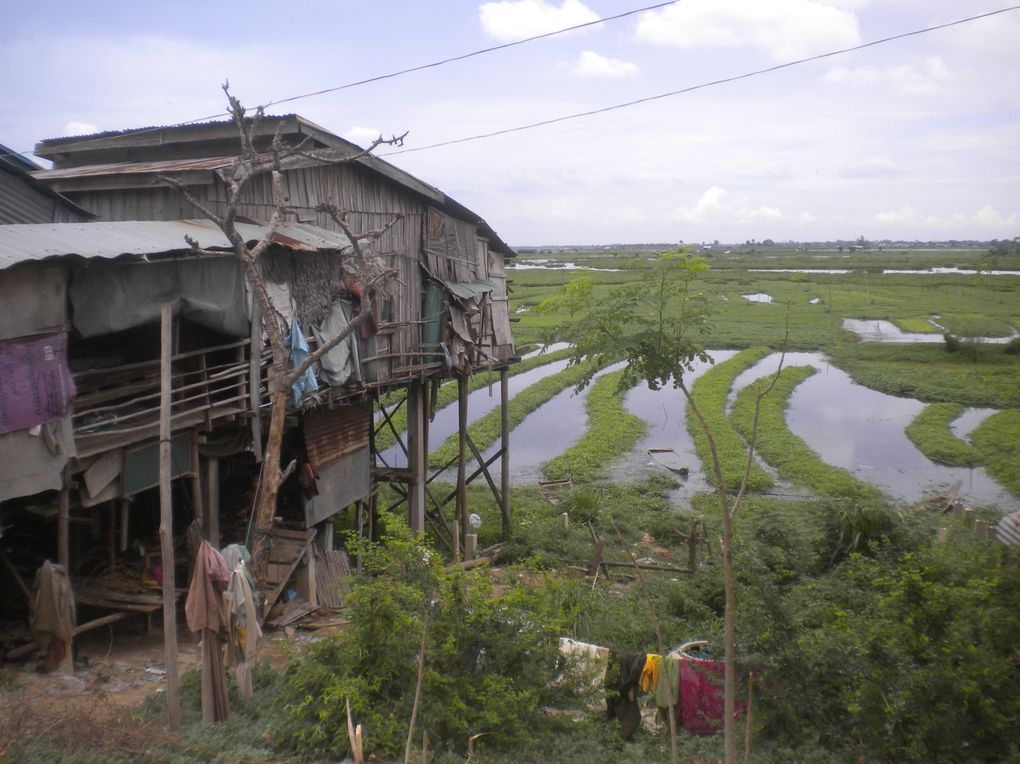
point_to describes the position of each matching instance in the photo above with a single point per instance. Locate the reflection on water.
(557, 265)
(663, 410)
(862, 430)
(959, 271)
(968, 421)
(480, 402)
(885, 331)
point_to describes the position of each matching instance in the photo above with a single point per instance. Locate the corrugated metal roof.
(153, 128)
(22, 243)
(142, 168)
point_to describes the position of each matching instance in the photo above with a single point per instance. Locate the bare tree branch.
(190, 198)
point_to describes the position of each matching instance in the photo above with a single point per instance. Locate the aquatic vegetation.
(780, 448)
(485, 430)
(612, 432)
(448, 392)
(711, 391)
(932, 433)
(997, 440)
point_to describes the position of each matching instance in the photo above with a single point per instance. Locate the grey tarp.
(33, 462)
(341, 364)
(111, 297)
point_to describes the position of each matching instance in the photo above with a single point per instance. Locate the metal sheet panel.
(340, 484)
(34, 301)
(332, 434)
(21, 243)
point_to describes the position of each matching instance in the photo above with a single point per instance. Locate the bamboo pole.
(64, 521)
(504, 475)
(462, 404)
(173, 700)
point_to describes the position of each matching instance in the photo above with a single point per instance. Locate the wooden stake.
(212, 501)
(504, 476)
(173, 699)
(462, 404)
(64, 521)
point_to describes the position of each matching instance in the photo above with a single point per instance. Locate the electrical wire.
(391, 75)
(701, 86)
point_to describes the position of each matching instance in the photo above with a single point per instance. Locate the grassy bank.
(932, 433)
(782, 449)
(711, 391)
(447, 395)
(612, 432)
(997, 440)
(485, 430)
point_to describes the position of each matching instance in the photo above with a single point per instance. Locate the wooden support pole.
(504, 399)
(111, 536)
(255, 378)
(125, 518)
(64, 522)
(212, 503)
(470, 546)
(416, 456)
(197, 504)
(462, 405)
(166, 529)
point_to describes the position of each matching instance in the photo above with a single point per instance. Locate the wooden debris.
(332, 577)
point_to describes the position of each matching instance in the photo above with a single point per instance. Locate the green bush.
(487, 661)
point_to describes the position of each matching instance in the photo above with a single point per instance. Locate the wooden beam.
(504, 472)
(166, 523)
(212, 489)
(416, 457)
(64, 522)
(461, 514)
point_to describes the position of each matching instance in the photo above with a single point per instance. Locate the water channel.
(847, 425)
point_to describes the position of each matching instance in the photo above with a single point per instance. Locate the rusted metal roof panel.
(332, 434)
(107, 240)
(156, 167)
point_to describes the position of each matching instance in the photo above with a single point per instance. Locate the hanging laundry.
(206, 611)
(52, 613)
(667, 693)
(650, 673)
(701, 695)
(306, 383)
(244, 632)
(623, 679)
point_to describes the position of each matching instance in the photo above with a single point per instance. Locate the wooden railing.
(120, 405)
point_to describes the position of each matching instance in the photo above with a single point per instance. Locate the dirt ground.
(115, 672)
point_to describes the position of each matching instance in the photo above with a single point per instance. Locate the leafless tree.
(367, 268)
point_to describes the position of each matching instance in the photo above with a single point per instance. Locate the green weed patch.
(932, 433)
(785, 451)
(997, 440)
(612, 432)
(711, 391)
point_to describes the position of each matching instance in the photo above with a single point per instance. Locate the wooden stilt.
(212, 501)
(416, 456)
(64, 522)
(197, 505)
(504, 473)
(111, 536)
(125, 518)
(462, 404)
(173, 700)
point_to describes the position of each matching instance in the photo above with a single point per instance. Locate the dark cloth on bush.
(622, 684)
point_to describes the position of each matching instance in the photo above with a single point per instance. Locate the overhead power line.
(701, 86)
(401, 72)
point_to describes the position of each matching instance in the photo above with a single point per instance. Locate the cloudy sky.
(917, 138)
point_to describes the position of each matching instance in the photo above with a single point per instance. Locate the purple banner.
(35, 382)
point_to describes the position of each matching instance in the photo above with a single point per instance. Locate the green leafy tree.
(657, 325)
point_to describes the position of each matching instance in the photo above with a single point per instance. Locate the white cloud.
(987, 219)
(516, 19)
(906, 78)
(715, 206)
(80, 128)
(591, 64)
(363, 136)
(785, 29)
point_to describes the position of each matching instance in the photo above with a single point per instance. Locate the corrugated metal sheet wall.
(20, 203)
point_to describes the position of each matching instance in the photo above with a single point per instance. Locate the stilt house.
(80, 345)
